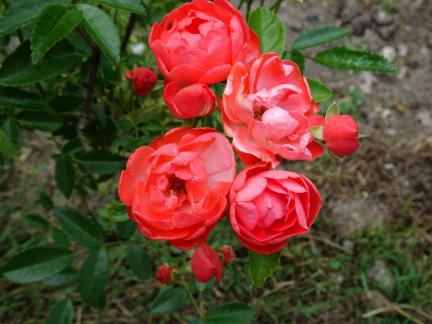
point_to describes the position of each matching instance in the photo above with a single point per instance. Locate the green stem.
(248, 8)
(275, 8)
(192, 299)
(240, 4)
(129, 29)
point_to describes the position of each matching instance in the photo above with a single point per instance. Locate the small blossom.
(164, 273)
(228, 254)
(206, 264)
(143, 79)
(341, 135)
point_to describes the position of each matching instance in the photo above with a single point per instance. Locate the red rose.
(199, 42)
(175, 189)
(144, 80)
(270, 206)
(340, 133)
(195, 100)
(164, 273)
(266, 111)
(206, 264)
(228, 254)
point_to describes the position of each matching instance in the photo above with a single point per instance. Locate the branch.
(93, 74)
(129, 29)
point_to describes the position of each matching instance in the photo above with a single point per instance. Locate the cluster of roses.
(176, 188)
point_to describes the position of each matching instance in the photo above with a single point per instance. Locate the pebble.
(389, 53)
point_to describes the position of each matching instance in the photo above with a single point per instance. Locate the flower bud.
(206, 264)
(164, 273)
(228, 254)
(340, 133)
(195, 100)
(143, 79)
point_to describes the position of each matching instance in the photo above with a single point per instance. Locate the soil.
(394, 164)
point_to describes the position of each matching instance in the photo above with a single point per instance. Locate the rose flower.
(175, 189)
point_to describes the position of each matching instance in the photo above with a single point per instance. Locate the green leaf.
(61, 313)
(320, 92)
(235, 313)
(139, 261)
(297, 57)
(100, 162)
(262, 266)
(318, 36)
(168, 301)
(17, 69)
(65, 278)
(102, 30)
(116, 212)
(42, 121)
(126, 229)
(65, 174)
(12, 98)
(270, 30)
(79, 228)
(134, 6)
(93, 277)
(352, 59)
(54, 24)
(36, 221)
(36, 264)
(9, 138)
(332, 110)
(22, 12)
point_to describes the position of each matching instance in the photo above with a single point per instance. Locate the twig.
(129, 29)
(192, 299)
(94, 67)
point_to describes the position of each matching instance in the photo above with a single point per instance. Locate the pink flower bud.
(143, 79)
(206, 264)
(228, 254)
(195, 100)
(164, 273)
(341, 135)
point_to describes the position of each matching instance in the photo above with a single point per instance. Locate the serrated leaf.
(42, 121)
(234, 312)
(61, 313)
(320, 92)
(318, 36)
(352, 59)
(270, 30)
(23, 12)
(102, 30)
(53, 24)
(36, 264)
(100, 162)
(12, 98)
(139, 261)
(17, 69)
(79, 228)
(262, 266)
(134, 6)
(9, 134)
(168, 301)
(93, 278)
(65, 174)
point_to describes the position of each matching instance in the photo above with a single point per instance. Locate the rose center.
(258, 111)
(176, 185)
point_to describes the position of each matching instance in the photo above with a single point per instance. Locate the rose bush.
(175, 188)
(270, 206)
(266, 110)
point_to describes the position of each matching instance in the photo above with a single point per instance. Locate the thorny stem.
(192, 299)
(94, 67)
(129, 30)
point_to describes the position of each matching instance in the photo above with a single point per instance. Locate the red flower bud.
(144, 80)
(206, 264)
(195, 100)
(228, 254)
(164, 273)
(341, 135)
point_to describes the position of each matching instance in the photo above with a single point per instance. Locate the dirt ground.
(387, 182)
(394, 163)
